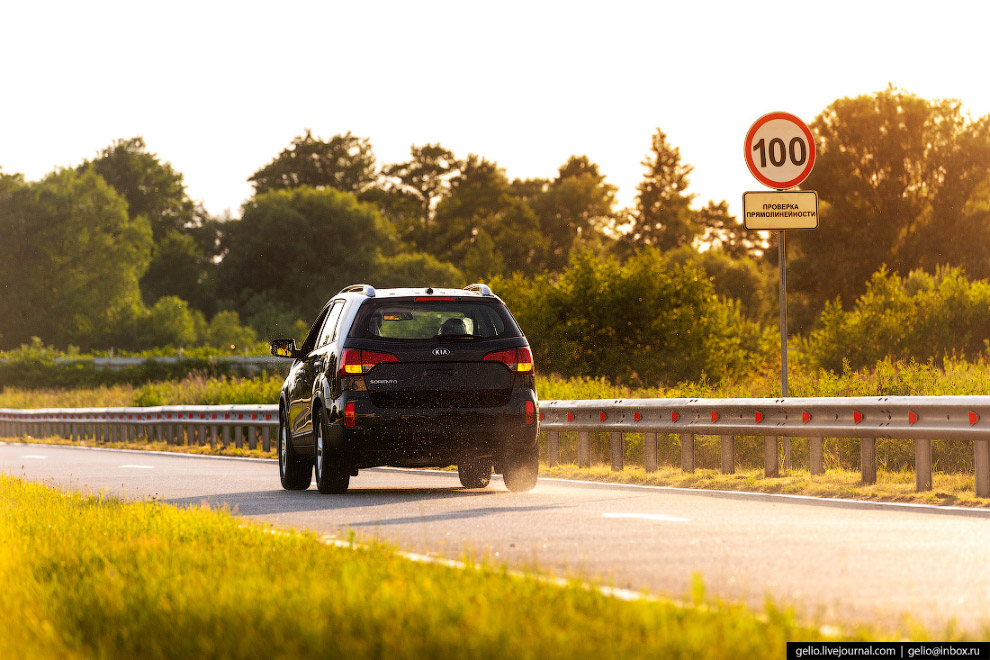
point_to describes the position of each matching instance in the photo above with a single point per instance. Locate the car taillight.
(530, 413)
(354, 362)
(350, 417)
(516, 359)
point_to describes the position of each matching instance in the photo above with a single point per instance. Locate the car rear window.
(418, 320)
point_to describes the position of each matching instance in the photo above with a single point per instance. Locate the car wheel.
(296, 473)
(332, 473)
(521, 470)
(475, 474)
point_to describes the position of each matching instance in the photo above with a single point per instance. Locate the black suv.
(411, 378)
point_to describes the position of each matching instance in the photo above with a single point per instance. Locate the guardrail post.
(252, 434)
(923, 464)
(650, 447)
(226, 436)
(981, 465)
(868, 460)
(214, 433)
(584, 449)
(771, 467)
(687, 452)
(266, 439)
(816, 455)
(616, 445)
(728, 443)
(553, 448)
(239, 436)
(787, 453)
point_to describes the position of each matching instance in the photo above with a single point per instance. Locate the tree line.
(114, 253)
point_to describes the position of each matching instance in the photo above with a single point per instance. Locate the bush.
(646, 321)
(921, 317)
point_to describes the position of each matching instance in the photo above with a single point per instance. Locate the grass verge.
(96, 577)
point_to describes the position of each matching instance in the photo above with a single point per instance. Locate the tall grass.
(94, 577)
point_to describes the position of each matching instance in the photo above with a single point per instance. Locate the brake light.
(433, 299)
(350, 417)
(361, 362)
(516, 359)
(530, 413)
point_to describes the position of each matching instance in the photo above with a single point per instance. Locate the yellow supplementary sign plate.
(797, 209)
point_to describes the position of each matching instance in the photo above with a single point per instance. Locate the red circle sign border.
(770, 183)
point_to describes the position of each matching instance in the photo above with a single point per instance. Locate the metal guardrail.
(921, 419)
(235, 425)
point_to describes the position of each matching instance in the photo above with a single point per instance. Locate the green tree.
(572, 207)
(170, 322)
(73, 258)
(185, 237)
(896, 175)
(226, 332)
(413, 189)
(152, 189)
(179, 267)
(481, 204)
(416, 269)
(345, 162)
(662, 217)
(295, 248)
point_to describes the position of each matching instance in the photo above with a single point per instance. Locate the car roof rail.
(480, 288)
(366, 289)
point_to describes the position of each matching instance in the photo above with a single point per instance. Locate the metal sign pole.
(782, 256)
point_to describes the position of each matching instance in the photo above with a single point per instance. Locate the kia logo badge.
(441, 352)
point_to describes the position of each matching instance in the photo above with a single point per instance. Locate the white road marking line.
(139, 467)
(660, 517)
(33, 456)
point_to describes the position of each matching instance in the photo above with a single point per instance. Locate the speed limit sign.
(780, 150)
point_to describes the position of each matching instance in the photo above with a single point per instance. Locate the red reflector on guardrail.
(912, 417)
(857, 416)
(973, 418)
(602, 416)
(805, 417)
(637, 416)
(714, 416)
(674, 416)
(570, 417)
(759, 417)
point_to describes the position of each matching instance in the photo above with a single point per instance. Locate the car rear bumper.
(438, 436)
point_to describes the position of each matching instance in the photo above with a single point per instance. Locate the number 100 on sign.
(780, 150)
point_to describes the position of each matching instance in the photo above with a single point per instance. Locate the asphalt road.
(842, 562)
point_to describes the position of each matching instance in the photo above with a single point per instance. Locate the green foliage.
(663, 217)
(170, 322)
(647, 321)
(345, 162)
(921, 317)
(903, 182)
(152, 188)
(73, 258)
(293, 249)
(741, 278)
(179, 267)
(416, 269)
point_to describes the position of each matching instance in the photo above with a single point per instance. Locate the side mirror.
(284, 348)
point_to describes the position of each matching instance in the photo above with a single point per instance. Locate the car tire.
(332, 473)
(295, 472)
(475, 474)
(521, 470)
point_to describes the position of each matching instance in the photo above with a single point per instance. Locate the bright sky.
(219, 88)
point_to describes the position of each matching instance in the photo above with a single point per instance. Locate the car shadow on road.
(276, 501)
